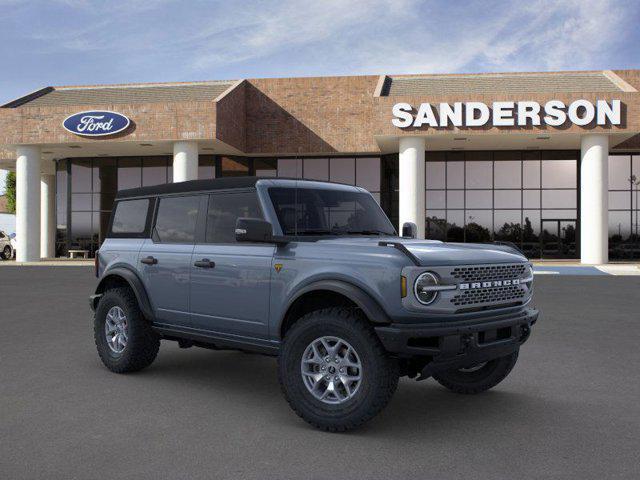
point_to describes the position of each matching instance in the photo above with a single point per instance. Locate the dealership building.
(548, 161)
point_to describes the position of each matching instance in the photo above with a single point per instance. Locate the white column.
(185, 161)
(28, 203)
(594, 201)
(411, 182)
(47, 215)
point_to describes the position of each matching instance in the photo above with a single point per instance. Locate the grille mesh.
(489, 295)
(488, 272)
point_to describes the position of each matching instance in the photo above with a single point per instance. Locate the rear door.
(230, 281)
(165, 259)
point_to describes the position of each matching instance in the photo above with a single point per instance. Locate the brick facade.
(318, 115)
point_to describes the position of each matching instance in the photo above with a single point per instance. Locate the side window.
(130, 216)
(176, 219)
(2, 235)
(224, 209)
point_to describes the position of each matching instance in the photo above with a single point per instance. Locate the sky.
(76, 42)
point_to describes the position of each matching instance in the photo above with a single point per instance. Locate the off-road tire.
(379, 371)
(6, 253)
(487, 377)
(142, 344)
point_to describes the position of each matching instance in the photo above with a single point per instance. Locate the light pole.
(633, 180)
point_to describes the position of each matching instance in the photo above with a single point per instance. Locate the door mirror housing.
(253, 230)
(409, 230)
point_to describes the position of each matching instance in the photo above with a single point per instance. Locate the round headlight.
(422, 288)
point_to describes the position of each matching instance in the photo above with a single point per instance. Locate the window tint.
(130, 216)
(176, 219)
(224, 209)
(310, 211)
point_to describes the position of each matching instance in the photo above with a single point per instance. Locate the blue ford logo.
(96, 123)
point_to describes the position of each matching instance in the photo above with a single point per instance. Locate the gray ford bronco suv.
(315, 274)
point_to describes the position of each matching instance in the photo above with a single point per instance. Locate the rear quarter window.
(130, 217)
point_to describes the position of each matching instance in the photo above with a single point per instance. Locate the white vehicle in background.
(7, 248)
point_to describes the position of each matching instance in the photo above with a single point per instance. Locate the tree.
(10, 190)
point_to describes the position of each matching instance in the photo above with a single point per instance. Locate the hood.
(438, 253)
(434, 252)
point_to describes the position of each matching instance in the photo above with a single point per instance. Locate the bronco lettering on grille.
(493, 283)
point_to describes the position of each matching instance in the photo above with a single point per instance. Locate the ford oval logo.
(96, 123)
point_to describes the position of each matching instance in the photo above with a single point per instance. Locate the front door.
(230, 282)
(165, 260)
(558, 238)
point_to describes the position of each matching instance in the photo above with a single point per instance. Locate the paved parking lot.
(570, 409)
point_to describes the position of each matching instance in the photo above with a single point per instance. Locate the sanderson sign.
(507, 114)
(96, 123)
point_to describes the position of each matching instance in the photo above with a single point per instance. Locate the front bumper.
(446, 346)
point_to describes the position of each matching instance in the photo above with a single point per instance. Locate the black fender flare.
(371, 308)
(133, 280)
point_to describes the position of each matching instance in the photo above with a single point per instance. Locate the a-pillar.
(594, 204)
(47, 210)
(27, 203)
(412, 182)
(185, 161)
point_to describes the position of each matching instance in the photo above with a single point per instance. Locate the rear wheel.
(124, 338)
(477, 378)
(333, 370)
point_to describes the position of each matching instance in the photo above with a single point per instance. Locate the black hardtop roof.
(198, 186)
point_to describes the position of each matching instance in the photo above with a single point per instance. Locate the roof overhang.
(507, 140)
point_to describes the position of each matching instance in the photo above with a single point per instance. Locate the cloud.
(79, 41)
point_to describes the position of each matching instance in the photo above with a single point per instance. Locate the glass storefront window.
(265, 167)
(81, 175)
(624, 201)
(316, 169)
(342, 170)
(129, 173)
(507, 199)
(435, 173)
(234, 167)
(479, 199)
(290, 167)
(487, 196)
(478, 174)
(206, 167)
(507, 174)
(436, 199)
(154, 171)
(531, 174)
(559, 173)
(368, 173)
(455, 174)
(455, 198)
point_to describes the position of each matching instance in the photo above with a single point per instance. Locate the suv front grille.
(488, 272)
(494, 295)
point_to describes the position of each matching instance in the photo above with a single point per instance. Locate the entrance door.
(558, 238)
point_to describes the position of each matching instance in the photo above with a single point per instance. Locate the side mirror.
(253, 230)
(409, 230)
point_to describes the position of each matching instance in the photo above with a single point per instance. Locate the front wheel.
(333, 370)
(477, 378)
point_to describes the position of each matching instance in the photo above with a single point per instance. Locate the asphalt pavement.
(570, 409)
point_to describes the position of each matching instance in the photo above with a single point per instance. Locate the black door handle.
(149, 260)
(204, 263)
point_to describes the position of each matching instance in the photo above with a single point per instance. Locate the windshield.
(317, 211)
